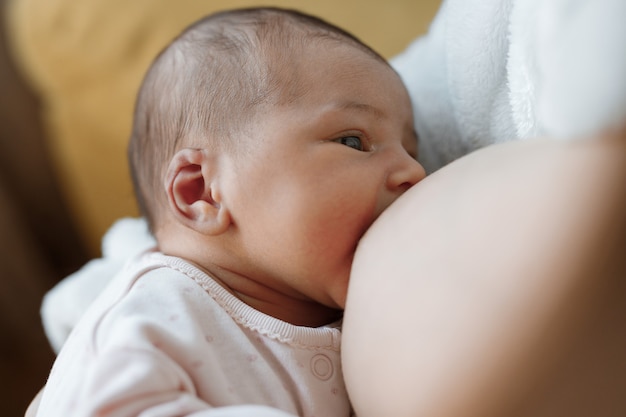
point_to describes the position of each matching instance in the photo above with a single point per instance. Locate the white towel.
(64, 304)
(490, 71)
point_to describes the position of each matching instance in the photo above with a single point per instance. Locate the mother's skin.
(496, 287)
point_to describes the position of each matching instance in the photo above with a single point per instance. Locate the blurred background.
(69, 71)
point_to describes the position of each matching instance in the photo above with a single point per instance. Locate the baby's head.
(265, 143)
(212, 84)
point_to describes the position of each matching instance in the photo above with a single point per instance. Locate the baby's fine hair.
(208, 86)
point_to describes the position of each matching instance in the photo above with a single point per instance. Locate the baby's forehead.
(308, 66)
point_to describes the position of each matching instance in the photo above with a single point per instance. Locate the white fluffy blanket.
(487, 71)
(67, 301)
(490, 71)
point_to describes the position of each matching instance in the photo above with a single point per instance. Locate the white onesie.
(164, 339)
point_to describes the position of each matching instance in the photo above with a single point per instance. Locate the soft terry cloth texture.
(497, 70)
(64, 305)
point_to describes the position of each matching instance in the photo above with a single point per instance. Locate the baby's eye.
(354, 142)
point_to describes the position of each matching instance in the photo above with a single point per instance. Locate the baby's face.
(321, 169)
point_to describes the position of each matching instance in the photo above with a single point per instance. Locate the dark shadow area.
(38, 242)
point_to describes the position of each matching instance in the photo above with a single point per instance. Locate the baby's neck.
(291, 308)
(279, 301)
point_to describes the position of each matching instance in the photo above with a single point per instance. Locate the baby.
(265, 143)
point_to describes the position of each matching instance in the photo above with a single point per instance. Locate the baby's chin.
(340, 292)
(334, 291)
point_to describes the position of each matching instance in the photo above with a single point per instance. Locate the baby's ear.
(192, 187)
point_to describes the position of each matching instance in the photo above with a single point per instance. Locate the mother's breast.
(495, 280)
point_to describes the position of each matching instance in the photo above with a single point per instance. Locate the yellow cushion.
(86, 59)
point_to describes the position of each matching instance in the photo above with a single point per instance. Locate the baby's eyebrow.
(367, 108)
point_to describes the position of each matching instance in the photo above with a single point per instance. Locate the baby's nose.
(405, 174)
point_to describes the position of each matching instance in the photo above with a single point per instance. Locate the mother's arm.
(497, 286)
